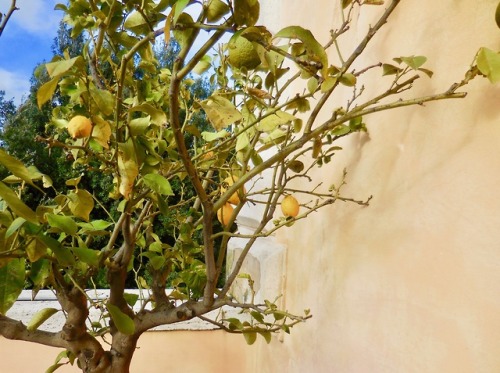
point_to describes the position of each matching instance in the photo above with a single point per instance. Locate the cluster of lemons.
(289, 205)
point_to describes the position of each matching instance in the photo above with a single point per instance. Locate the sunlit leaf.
(63, 255)
(40, 317)
(104, 99)
(250, 337)
(64, 223)
(59, 68)
(202, 65)
(14, 226)
(89, 256)
(267, 335)
(122, 321)
(220, 111)
(158, 116)
(488, 63)
(81, 203)
(414, 62)
(102, 131)
(271, 122)
(388, 69)
(46, 91)
(16, 205)
(159, 184)
(16, 167)
(315, 50)
(11, 283)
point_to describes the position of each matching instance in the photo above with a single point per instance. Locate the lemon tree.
(137, 123)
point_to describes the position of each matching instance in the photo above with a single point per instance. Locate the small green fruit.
(242, 53)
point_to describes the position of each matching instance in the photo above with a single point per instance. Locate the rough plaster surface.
(411, 283)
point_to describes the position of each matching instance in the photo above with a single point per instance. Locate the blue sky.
(25, 42)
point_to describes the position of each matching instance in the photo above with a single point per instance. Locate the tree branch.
(7, 16)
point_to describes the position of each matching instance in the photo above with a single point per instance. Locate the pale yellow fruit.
(79, 127)
(235, 197)
(242, 53)
(290, 206)
(224, 214)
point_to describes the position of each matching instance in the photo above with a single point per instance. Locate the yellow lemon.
(79, 127)
(225, 213)
(290, 206)
(235, 197)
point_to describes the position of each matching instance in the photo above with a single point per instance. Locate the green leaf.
(11, 283)
(328, 84)
(267, 335)
(158, 116)
(179, 6)
(250, 337)
(388, 69)
(257, 316)
(234, 323)
(202, 65)
(157, 262)
(414, 62)
(242, 141)
(136, 23)
(88, 256)
(64, 223)
(96, 227)
(40, 317)
(63, 255)
(220, 111)
(341, 130)
(159, 184)
(315, 50)
(46, 91)
(59, 68)
(122, 321)
(16, 205)
(14, 226)
(488, 63)
(312, 85)
(271, 122)
(131, 299)
(81, 203)
(104, 99)
(16, 167)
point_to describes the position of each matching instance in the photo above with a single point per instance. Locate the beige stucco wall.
(158, 352)
(411, 283)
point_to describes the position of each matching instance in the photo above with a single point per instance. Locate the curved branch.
(7, 16)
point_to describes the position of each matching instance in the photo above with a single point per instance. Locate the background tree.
(142, 125)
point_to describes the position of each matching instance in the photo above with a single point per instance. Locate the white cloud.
(15, 85)
(35, 16)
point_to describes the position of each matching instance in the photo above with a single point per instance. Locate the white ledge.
(25, 307)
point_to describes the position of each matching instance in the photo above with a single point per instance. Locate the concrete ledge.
(25, 307)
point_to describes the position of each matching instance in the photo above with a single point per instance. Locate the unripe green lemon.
(242, 53)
